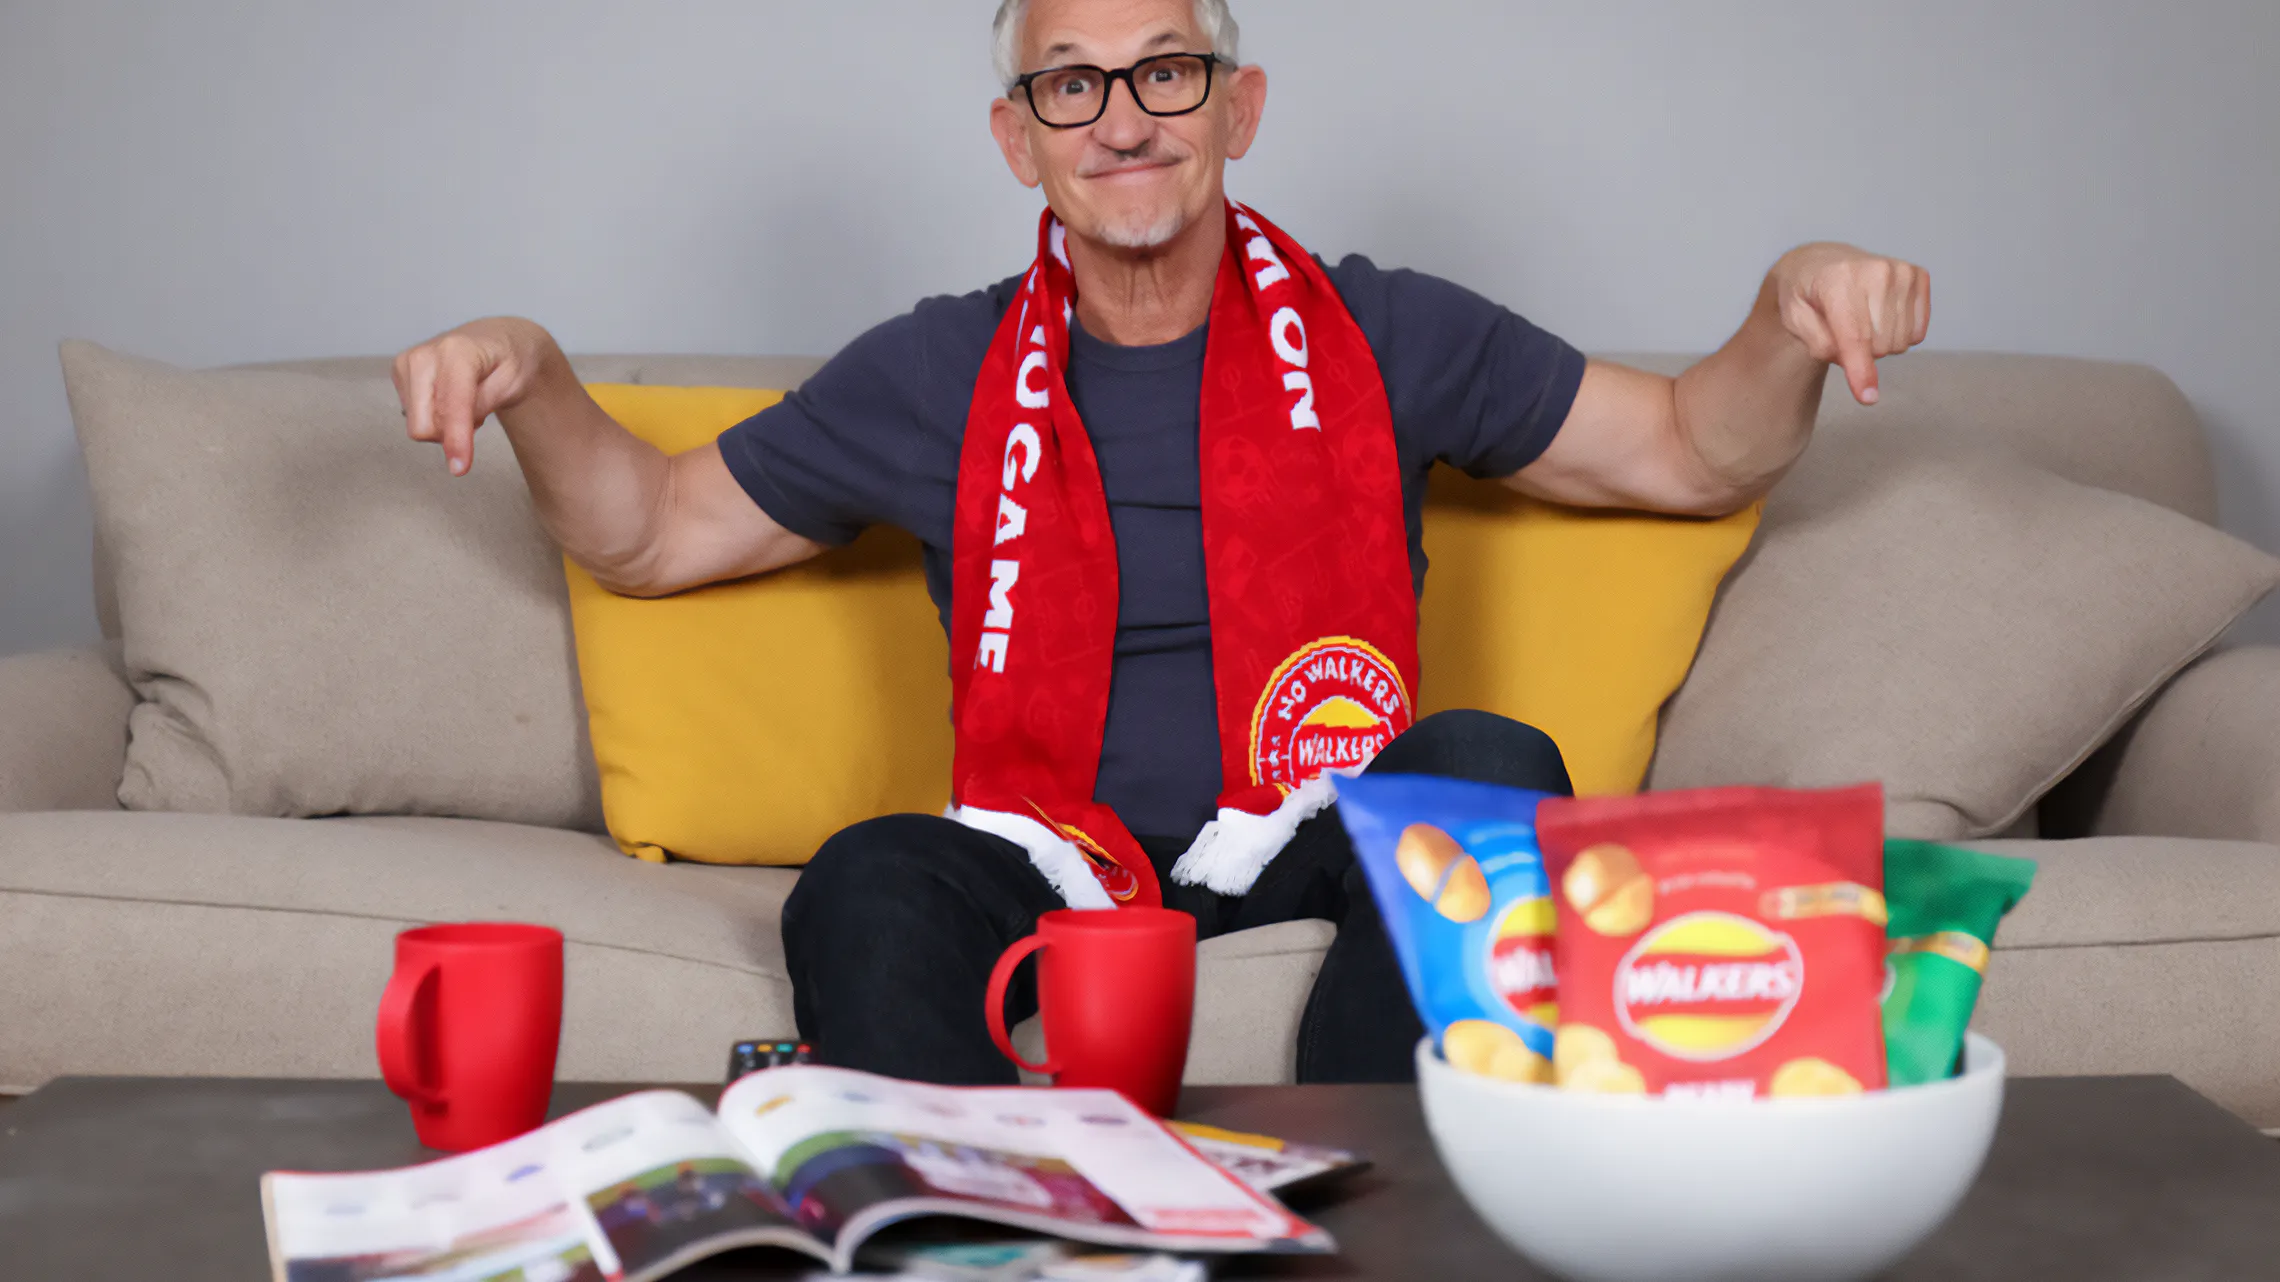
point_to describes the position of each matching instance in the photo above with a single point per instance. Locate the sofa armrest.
(63, 729)
(2203, 760)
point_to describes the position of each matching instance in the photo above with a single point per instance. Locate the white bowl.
(1604, 1188)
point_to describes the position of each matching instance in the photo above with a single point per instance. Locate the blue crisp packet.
(1460, 882)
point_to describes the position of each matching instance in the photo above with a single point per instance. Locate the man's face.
(1129, 179)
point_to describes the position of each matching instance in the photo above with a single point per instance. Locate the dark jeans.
(892, 930)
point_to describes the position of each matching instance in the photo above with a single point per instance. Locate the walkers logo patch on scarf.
(1306, 556)
(1330, 706)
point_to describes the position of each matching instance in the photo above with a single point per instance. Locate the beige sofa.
(163, 943)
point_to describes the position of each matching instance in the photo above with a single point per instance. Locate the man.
(1169, 482)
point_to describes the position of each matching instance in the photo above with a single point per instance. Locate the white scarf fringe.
(1232, 850)
(1051, 853)
(1225, 858)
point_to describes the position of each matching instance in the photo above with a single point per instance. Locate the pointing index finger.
(418, 391)
(1856, 349)
(455, 414)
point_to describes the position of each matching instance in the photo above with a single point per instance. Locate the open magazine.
(804, 1157)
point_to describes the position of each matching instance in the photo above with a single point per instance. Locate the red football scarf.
(1313, 612)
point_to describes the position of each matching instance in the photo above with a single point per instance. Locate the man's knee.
(1467, 743)
(890, 844)
(1472, 732)
(889, 860)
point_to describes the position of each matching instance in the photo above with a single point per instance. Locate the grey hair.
(1211, 15)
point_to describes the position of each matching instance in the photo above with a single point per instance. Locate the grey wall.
(232, 180)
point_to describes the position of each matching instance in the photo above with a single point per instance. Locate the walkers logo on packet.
(1946, 903)
(1708, 986)
(1459, 882)
(1723, 942)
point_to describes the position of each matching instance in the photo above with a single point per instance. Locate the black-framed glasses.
(1169, 84)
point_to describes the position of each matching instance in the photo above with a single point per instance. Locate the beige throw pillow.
(1959, 624)
(317, 618)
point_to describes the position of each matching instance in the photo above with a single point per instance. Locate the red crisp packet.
(1724, 942)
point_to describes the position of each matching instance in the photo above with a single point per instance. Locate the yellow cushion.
(745, 723)
(1579, 623)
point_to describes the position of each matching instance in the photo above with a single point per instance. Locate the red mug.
(1116, 988)
(469, 1026)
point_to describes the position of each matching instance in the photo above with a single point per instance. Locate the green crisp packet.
(1944, 904)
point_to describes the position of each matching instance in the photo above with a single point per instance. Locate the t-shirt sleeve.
(873, 437)
(1471, 382)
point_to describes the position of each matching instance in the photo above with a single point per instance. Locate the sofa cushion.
(196, 944)
(2144, 955)
(1578, 623)
(142, 943)
(746, 722)
(407, 870)
(319, 619)
(1961, 625)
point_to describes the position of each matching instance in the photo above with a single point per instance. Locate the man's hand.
(1850, 307)
(451, 383)
(641, 523)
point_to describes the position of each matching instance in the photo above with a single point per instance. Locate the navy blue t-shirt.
(875, 437)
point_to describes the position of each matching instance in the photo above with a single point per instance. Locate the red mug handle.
(993, 1012)
(410, 993)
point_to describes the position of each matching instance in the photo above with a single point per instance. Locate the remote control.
(751, 1057)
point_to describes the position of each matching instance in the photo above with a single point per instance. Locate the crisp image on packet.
(1724, 942)
(1460, 883)
(1944, 905)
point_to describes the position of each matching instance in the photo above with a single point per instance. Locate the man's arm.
(641, 523)
(1716, 438)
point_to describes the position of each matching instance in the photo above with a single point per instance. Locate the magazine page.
(850, 1152)
(665, 1186)
(631, 1189)
(1266, 1163)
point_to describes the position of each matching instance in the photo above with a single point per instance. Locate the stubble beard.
(1141, 231)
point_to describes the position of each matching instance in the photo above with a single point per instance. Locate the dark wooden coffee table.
(2091, 1178)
